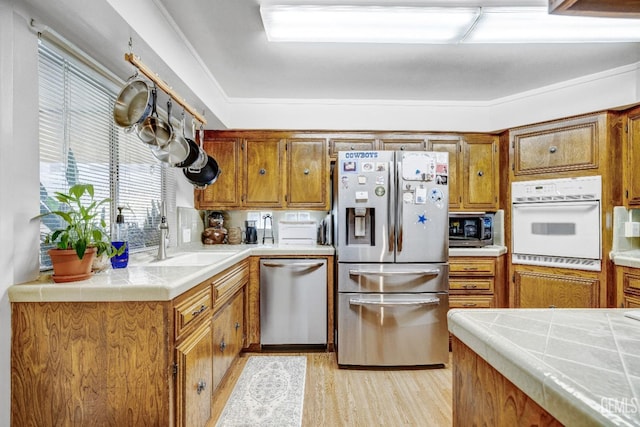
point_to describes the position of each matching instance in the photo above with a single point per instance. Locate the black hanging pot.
(207, 175)
(194, 151)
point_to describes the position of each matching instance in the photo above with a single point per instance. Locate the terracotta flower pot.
(67, 267)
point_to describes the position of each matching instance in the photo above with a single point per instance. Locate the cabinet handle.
(470, 268)
(469, 304)
(201, 386)
(480, 173)
(470, 286)
(552, 306)
(237, 325)
(553, 149)
(263, 172)
(306, 171)
(223, 345)
(200, 310)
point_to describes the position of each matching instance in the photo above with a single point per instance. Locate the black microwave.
(470, 229)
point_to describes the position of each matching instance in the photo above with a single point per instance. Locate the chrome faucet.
(164, 233)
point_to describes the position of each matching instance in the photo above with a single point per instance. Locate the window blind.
(79, 143)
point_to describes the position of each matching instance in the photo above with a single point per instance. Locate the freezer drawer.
(293, 301)
(393, 329)
(407, 278)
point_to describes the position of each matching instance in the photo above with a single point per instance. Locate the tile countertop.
(629, 258)
(143, 280)
(581, 365)
(492, 250)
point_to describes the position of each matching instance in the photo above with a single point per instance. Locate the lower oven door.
(393, 329)
(561, 229)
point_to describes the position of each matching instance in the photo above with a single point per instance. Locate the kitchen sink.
(189, 259)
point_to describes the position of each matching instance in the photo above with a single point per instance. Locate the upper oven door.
(563, 229)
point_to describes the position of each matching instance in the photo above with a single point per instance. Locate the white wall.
(19, 163)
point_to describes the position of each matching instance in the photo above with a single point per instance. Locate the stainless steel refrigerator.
(391, 216)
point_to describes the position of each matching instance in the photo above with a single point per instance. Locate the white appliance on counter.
(557, 223)
(392, 252)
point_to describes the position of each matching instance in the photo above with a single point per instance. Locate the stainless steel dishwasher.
(293, 302)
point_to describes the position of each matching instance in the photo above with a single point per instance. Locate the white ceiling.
(215, 53)
(229, 37)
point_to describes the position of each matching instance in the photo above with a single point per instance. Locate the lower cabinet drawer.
(475, 301)
(190, 308)
(631, 301)
(472, 285)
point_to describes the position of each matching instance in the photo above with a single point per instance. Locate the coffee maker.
(251, 232)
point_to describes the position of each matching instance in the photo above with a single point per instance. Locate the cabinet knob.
(223, 345)
(553, 149)
(201, 386)
(263, 172)
(306, 171)
(552, 306)
(480, 173)
(237, 325)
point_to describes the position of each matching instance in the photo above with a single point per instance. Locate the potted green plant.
(81, 236)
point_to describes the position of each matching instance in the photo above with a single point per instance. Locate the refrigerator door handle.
(399, 206)
(390, 222)
(433, 272)
(396, 303)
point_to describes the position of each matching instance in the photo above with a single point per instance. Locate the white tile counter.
(492, 250)
(580, 365)
(630, 258)
(143, 280)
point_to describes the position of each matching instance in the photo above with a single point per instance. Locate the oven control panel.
(561, 189)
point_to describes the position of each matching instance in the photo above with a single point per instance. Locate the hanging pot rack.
(135, 61)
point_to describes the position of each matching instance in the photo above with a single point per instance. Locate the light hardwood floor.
(363, 397)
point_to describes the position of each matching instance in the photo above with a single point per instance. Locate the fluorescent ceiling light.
(366, 24)
(535, 25)
(395, 24)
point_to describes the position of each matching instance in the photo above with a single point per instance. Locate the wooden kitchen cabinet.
(554, 288)
(601, 8)
(473, 170)
(355, 142)
(263, 172)
(226, 192)
(627, 287)
(631, 156)
(402, 142)
(476, 282)
(125, 362)
(267, 169)
(559, 147)
(228, 336)
(307, 174)
(194, 382)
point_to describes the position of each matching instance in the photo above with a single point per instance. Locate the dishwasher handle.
(396, 303)
(433, 272)
(297, 264)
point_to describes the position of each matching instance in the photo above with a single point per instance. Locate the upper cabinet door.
(481, 173)
(264, 172)
(556, 147)
(632, 158)
(307, 173)
(226, 191)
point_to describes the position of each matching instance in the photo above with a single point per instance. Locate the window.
(79, 143)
